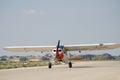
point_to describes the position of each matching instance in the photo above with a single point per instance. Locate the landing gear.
(49, 65)
(70, 64)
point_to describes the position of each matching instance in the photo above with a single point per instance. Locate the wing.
(30, 48)
(67, 47)
(85, 47)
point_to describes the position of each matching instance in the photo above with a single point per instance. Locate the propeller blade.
(57, 48)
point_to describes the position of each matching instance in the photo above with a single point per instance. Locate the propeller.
(57, 48)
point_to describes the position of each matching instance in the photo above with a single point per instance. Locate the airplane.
(60, 51)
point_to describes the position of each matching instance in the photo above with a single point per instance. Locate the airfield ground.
(82, 70)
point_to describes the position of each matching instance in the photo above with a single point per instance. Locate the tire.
(70, 65)
(50, 65)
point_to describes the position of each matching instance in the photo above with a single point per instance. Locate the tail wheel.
(49, 65)
(70, 65)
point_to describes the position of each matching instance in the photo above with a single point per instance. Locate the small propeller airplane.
(60, 51)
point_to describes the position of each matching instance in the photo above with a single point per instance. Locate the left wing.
(85, 47)
(30, 48)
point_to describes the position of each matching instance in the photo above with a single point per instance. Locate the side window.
(60, 50)
(54, 50)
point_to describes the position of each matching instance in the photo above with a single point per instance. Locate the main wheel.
(70, 65)
(49, 65)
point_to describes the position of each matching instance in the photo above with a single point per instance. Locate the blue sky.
(44, 22)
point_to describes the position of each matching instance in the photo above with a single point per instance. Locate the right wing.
(89, 47)
(30, 48)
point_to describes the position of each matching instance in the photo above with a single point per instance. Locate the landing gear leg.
(49, 65)
(70, 64)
